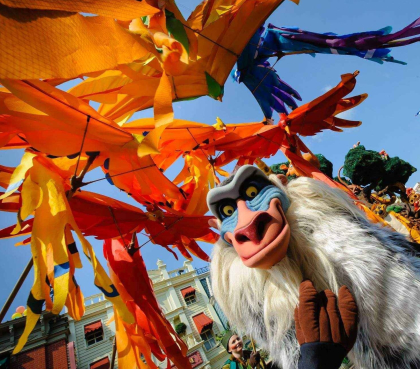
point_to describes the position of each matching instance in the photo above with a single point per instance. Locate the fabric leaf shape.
(50, 249)
(18, 175)
(215, 90)
(177, 30)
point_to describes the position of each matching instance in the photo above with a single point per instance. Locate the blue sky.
(387, 115)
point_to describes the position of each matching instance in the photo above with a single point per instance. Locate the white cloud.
(326, 88)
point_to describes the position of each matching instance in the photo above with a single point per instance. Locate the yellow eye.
(251, 192)
(228, 210)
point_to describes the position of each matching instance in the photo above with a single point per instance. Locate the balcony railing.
(94, 299)
(202, 270)
(177, 272)
(189, 340)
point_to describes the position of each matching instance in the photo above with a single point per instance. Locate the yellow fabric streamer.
(19, 174)
(50, 250)
(75, 302)
(129, 355)
(163, 111)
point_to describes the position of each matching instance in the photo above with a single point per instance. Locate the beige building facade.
(186, 298)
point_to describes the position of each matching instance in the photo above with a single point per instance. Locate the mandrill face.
(251, 210)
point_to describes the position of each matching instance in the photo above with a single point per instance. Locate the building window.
(205, 285)
(100, 364)
(208, 338)
(221, 315)
(190, 300)
(94, 333)
(94, 337)
(188, 294)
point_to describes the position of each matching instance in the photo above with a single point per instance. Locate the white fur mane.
(332, 244)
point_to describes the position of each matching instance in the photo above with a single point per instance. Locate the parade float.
(130, 56)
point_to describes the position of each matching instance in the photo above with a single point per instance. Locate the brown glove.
(319, 318)
(255, 358)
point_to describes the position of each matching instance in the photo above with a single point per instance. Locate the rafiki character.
(274, 235)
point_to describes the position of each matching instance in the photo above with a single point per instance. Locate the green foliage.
(326, 166)
(219, 337)
(276, 168)
(396, 170)
(368, 167)
(180, 328)
(343, 179)
(363, 167)
(394, 208)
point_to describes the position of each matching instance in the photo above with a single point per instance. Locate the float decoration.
(131, 57)
(272, 93)
(19, 313)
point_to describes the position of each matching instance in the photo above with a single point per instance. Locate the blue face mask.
(228, 211)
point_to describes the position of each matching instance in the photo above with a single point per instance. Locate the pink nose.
(254, 231)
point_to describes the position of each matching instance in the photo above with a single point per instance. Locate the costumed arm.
(326, 329)
(272, 93)
(370, 45)
(254, 360)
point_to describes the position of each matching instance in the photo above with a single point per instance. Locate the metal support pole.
(16, 289)
(114, 350)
